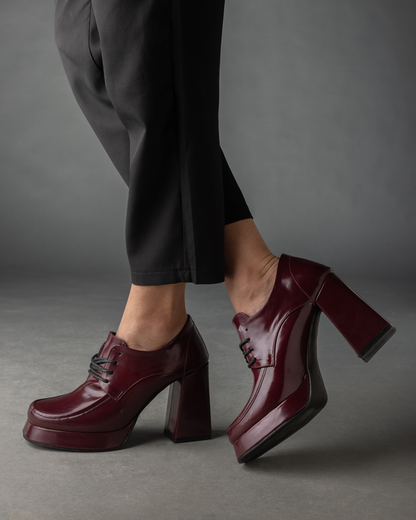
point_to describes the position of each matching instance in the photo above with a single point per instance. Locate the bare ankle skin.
(250, 267)
(153, 316)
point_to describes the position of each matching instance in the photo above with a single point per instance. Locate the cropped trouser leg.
(146, 74)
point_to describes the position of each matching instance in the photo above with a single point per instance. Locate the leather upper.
(137, 377)
(278, 336)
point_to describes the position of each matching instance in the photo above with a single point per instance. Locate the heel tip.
(381, 338)
(188, 439)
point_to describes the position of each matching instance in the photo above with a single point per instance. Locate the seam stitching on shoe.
(248, 405)
(123, 392)
(76, 415)
(271, 411)
(294, 279)
(186, 356)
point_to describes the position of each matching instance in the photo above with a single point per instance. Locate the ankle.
(250, 287)
(151, 332)
(153, 316)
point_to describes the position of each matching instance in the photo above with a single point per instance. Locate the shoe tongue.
(239, 319)
(111, 341)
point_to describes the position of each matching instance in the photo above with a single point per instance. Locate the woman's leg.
(138, 107)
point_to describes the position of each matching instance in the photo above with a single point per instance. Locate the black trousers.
(146, 75)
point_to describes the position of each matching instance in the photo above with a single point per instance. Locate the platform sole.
(77, 441)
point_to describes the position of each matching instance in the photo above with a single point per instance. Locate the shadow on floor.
(351, 456)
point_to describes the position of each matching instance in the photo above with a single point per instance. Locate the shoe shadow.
(313, 460)
(353, 456)
(145, 435)
(140, 436)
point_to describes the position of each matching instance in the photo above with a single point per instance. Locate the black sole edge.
(317, 400)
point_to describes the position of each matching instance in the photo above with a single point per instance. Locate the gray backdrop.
(318, 122)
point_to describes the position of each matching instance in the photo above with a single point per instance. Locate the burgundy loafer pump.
(279, 344)
(100, 414)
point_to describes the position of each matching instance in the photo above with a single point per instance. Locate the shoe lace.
(247, 352)
(96, 368)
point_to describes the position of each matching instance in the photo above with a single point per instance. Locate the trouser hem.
(181, 276)
(236, 213)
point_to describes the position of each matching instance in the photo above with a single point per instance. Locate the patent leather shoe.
(101, 413)
(279, 345)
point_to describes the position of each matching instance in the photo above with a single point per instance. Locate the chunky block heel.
(364, 329)
(188, 416)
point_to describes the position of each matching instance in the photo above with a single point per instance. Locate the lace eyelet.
(96, 369)
(247, 352)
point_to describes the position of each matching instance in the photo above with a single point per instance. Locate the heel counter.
(308, 275)
(197, 353)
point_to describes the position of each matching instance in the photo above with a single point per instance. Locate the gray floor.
(356, 460)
